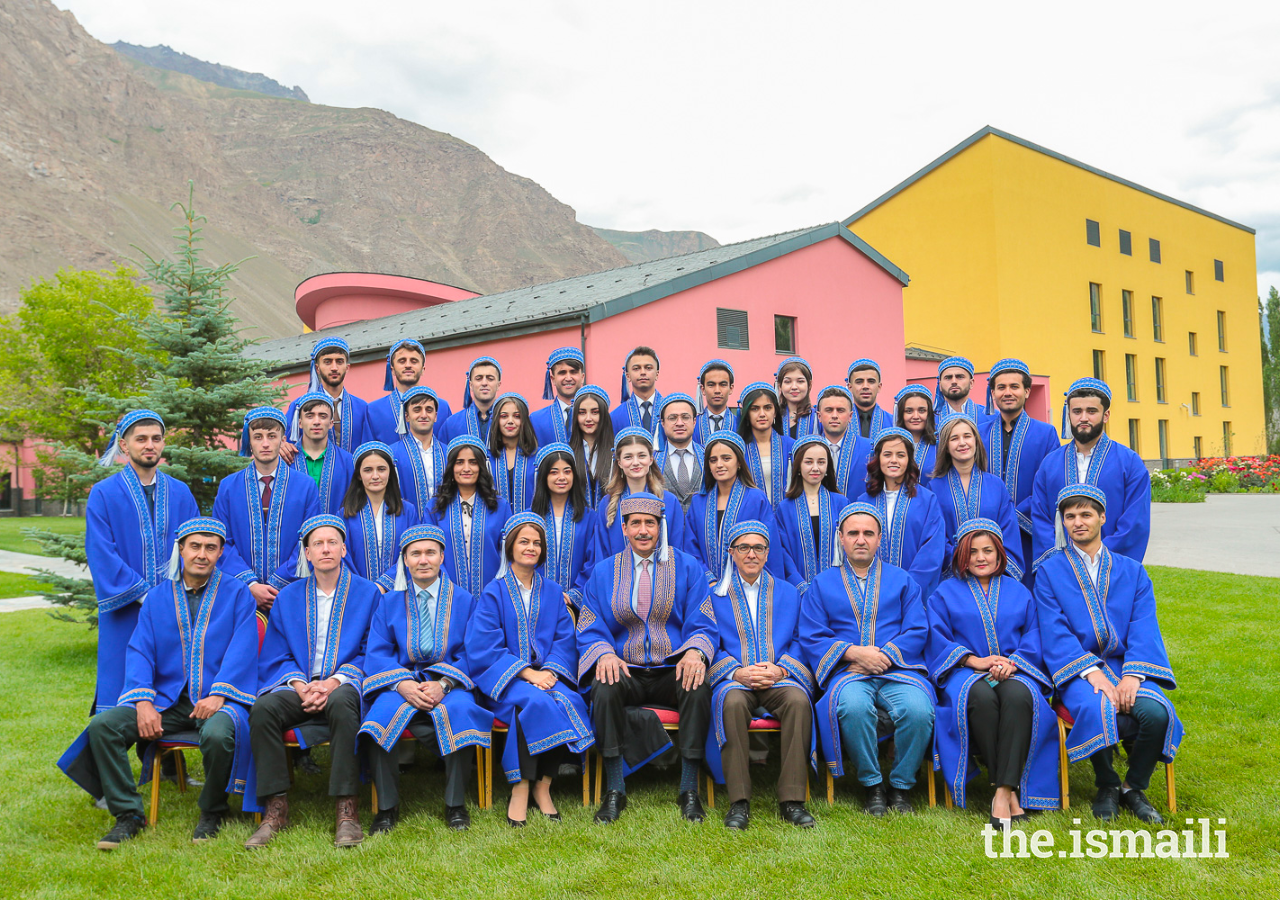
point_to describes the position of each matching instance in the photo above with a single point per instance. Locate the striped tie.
(644, 591)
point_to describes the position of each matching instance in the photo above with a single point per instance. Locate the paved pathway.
(1236, 533)
(27, 563)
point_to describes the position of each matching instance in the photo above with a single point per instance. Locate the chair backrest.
(262, 629)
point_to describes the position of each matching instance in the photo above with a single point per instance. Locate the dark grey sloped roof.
(583, 298)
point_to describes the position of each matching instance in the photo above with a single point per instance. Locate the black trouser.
(1000, 728)
(661, 687)
(275, 713)
(1145, 725)
(386, 765)
(545, 764)
(113, 731)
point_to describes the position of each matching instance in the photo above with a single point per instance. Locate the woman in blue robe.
(471, 514)
(635, 470)
(375, 515)
(966, 490)
(591, 437)
(768, 448)
(512, 447)
(993, 691)
(523, 652)
(913, 410)
(914, 536)
(568, 520)
(807, 517)
(794, 383)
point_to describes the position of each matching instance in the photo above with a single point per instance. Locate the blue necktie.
(646, 416)
(427, 635)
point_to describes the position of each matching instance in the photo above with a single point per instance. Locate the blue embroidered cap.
(524, 518)
(863, 363)
(1004, 365)
(944, 432)
(593, 390)
(467, 440)
(626, 385)
(548, 449)
(389, 382)
(198, 525)
(675, 397)
(412, 535)
(295, 427)
(254, 415)
(901, 434)
(724, 436)
(1081, 385)
(563, 354)
(409, 396)
(837, 389)
(750, 526)
(328, 343)
(859, 508)
(807, 441)
(756, 387)
(481, 361)
(912, 390)
(951, 362)
(980, 524)
(325, 520)
(371, 447)
(510, 395)
(808, 369)
(1081, 490)
(632, 431)
(127, 421)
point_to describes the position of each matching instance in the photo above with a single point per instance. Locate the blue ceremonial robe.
(128, 554)
(365, 556)
(775, 486)
(569, 552)
(1003, 621)
(880, 420)
(915, 538)
(381, 417)
(1029, 444)
(803, 559)
(705, 527)
(805, 425)
(503, 640)
(851, 463)
(627, 414)
(742, 641)
(264, 551)
(335, 476)
(703, 429)
(835, 615)
(548, 424)
(396, 653)
(407, 455)
(987, 498)
(926, 458)
(465, 421)
(353, 419)
(473, 572)
(1114, 469)
(1111, 625)
(515, 485)
(681, 616)
(608, 539)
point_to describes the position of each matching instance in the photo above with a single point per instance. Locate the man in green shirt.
(327, 464)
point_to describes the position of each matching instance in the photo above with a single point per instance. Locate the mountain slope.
(642, 246)
(164, 57)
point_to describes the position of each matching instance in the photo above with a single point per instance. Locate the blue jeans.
(912, 716)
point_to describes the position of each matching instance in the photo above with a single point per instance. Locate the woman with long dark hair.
(568, 520)
(728, 496)
(512, 445)
(471, 514)
(807, 515)
(794, 380)
(913, 410)
(634, 470)
(376, 515)
(768, 448)
(591, 437)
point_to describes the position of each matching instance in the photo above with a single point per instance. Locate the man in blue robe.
(864, 384)
(263, 506)
(330, 361)
(1103, 646)
(309, 676)
(1094, 459)
(758, 665)
(849, 449)
(955, 381)
(566, 372)
(646, 634)
(640, 397)
(1016, 444)
(130, 521)
(419, 454)
(863, 629)
(484, 384)
(715, 387)
(191, 666)
(679, 456)
(405, 364)
(321, 459)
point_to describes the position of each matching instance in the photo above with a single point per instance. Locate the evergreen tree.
(1271, 368)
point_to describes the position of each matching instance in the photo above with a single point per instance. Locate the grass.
(15, 584)
(1221, 632)
(13, 539)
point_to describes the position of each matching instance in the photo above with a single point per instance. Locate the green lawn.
(12, 537)
(1221, 631)
(16, 584)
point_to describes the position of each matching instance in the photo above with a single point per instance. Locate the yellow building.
(1015, 250)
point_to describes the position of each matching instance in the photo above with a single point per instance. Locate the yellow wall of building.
(995, 242)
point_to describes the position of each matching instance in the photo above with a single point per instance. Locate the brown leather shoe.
(274, 820)
(349, 833)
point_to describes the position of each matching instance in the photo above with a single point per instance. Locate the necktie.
(682, 469)
(427, 635)
(644, 591)
(646, 415)
(568, 413)
(266, 495)
(718, 422)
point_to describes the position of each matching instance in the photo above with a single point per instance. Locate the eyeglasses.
(750, 549)
(677, 417)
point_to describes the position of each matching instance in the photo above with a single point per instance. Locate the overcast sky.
(744, 119)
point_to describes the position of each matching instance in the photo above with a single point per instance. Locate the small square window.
(1191, 282)
(1154, 247)
(731, 329)
(1126, 243)
(1092, 233)
(784, 335)
(1218, 274)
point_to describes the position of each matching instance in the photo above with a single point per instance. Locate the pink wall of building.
(340, 298)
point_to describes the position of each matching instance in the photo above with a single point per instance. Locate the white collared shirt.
(324, 606)
(890, 501)
(466, 521)
(526, 596)
(377, 520)
(1091, 563)
(752, 594)
(428, 464)
(1082, 460)
(258, 476)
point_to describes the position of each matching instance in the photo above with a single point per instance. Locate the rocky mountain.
(641, 246)
(95, 147)
(163, 57)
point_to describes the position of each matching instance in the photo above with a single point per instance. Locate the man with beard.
(330, 360)
(1094, 459)
(955, 380)
(864, 383)
(484, 384)
(566, 372)
(405, 364)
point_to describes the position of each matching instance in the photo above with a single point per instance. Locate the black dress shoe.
(899, 803)
(208, 826)
(877, 800)
(739, 815)
(514, 824)
(611, 807)
(1106, 806)
(794, 811)
(308, 765)
(554, 817)
(457, 818)
(385, 820)
(126, 828)
(1137, 803)
(691, 806)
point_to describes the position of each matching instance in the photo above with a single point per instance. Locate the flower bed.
(1241, 474)
(1178, 486)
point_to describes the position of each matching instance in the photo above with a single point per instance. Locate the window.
(1226, 438)
(1197, 447)
(1222, 331)
(1218, 274)
(1126, 243)
(1092, 233)
(1131, 376)
(731, 329)
(1135, 436)
(1154, 247)
(1195, 403)
(1191, 343)
(1222, 382)
(1160, 380)
(1162, 433)
(784, 335)
(1191, 282)
(1099, 365)
(1095, 306)
(1157, 319)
